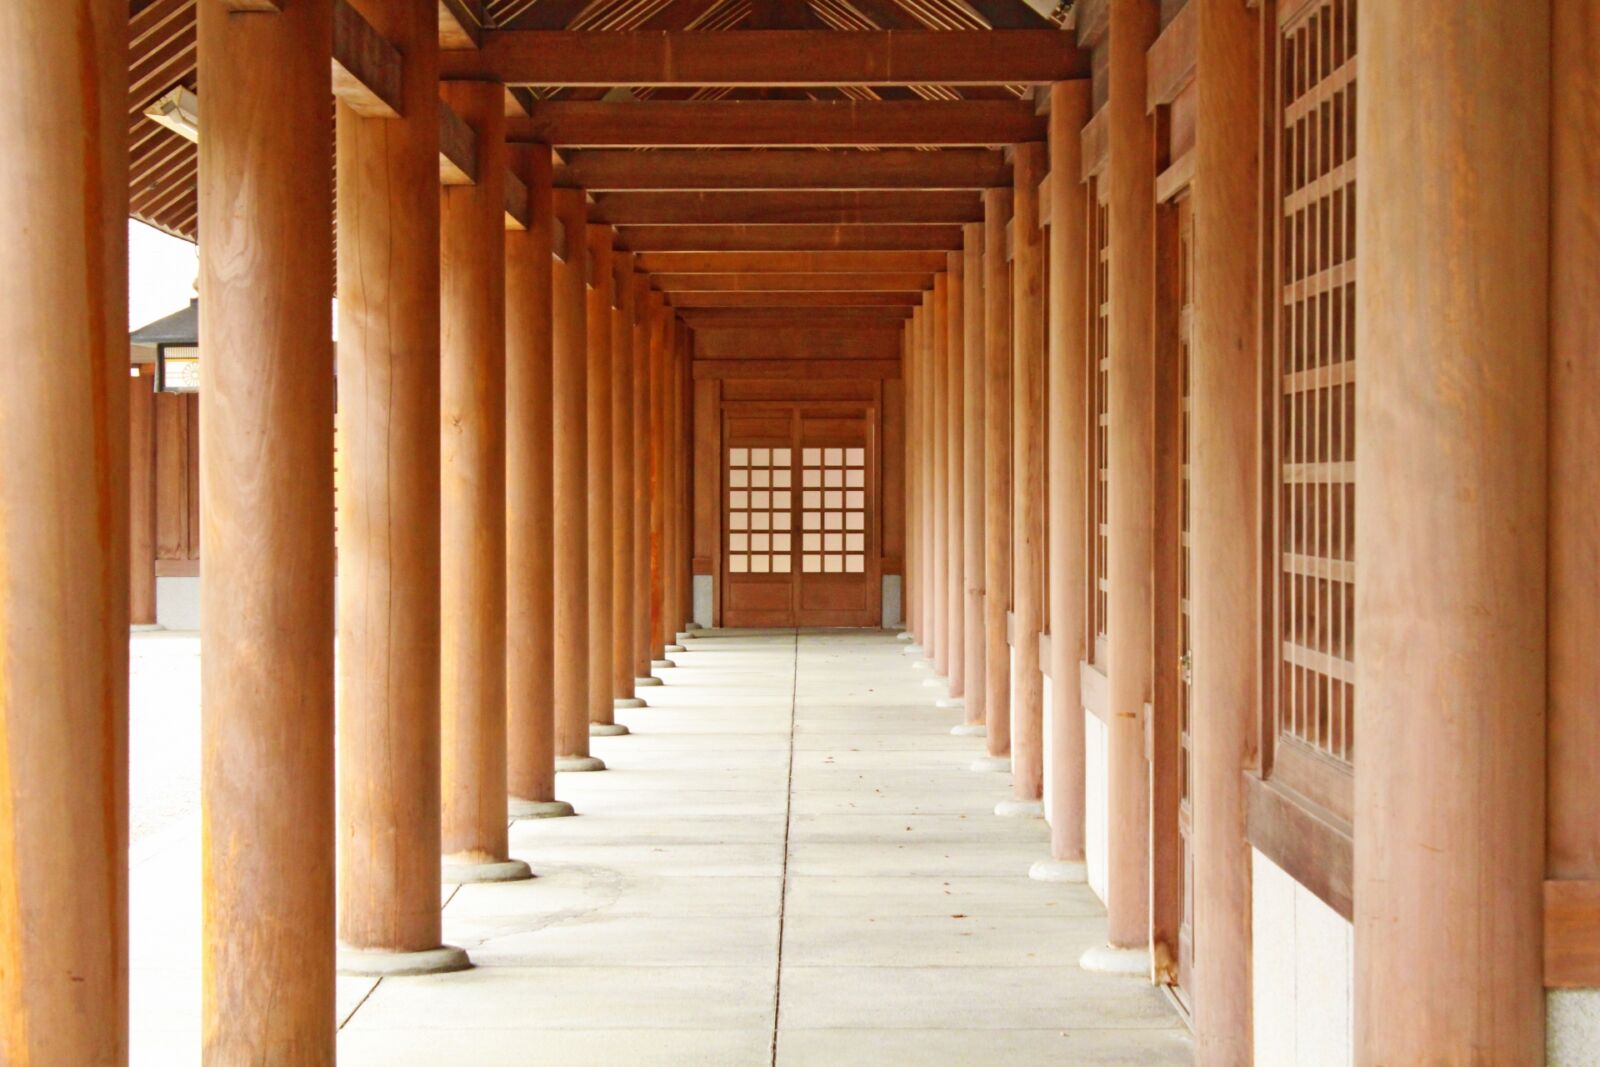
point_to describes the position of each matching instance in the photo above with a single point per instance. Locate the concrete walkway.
(788, 862)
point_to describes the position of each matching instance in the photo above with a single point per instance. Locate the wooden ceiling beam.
(793, 300)
(770, 58)
(791, 262)
(458, 149)
(778, 123)
(461, 23)
(800, 318)
(786, 207)
(792, 283)
(600, 170)
(367, 70)
(789, 238)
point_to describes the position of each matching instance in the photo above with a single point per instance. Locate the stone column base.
(674, 648)
(1108, 959)
(950, 702)
(623, 703)
(648, 680)
(607, 729)
(539, 809)
(1059, 871)
(661, 664)
(384, 963)
(458, 872)
(580, 763)
(1020, 809)
(999, 764)
(970, 729)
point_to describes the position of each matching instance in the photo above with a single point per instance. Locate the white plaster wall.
(1095, 830)
(1303, 973)
(700, 589)
(1572, 1027)
(178, 603)
(1049, 747)
(892, 617)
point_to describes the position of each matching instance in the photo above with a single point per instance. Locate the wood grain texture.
(997, 470)
(974, 343)
(569, 428)
(952, 474)
(142, 498)
(1572, 934)
(600, 170)
(780, 238)
(601, 473)
(622, 426)
(802, 207)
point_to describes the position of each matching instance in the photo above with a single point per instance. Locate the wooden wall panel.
(757, 343)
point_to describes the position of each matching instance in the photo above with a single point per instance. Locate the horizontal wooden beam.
(517, 210)
(794, 283)
(602, 170)
(793, 300)
(777, 123)
(789, 238)
(769, 58)
(460, 23)
(803, 318)
(879, 340)
(787, 207)
(458, 149)
(367, 69)
(791, 262)
(808, 369)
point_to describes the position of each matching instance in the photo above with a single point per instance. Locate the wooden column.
(472, 273)
(937, 459)
(602, 289)
(1224, 480)
(267, 777)
(973, 500)
(64, 536)
(570, 539)
(927, 446)
(1452, 328)
(1068, 488)
(1027, 459)
(913, 577)
(388, 506)
(530, 496)
(996, 476)
(1574, 728)
(660, 479)
(955, 516)
(622, 428)
(647, 310)
(684, 407)
(142, 497)
(1130, 404)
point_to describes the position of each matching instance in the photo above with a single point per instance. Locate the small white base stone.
(539, 809)
(380, 963)
(692, 627)
(607, 729)
(950, 702)
(580, 763)
(1058, 871)
(1020, 809)
(903, 635)
(627, 702)
(935, 683)
(1000, 764)
(674, 648)
(144, 627)
(502, 871)
(912, 649)
(661, 664)
(1108, 959)
(637, 682)
(970, 729)
(922, 664)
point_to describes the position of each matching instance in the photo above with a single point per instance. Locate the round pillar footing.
(1000, 764)
(386, 963)
(674, 648)
(970, 729)
(903, 635)
(647, 681)
(692, 626)
(539, 809)
(628, 702)
(607, 729)
(1058, 871)
(466, 872)
(580, 763)
(950, 702)
(1109, 959)
(144, 627)
(935, 682)
(922, 664)
(912, 649)
(661, 664)
(1020, 809)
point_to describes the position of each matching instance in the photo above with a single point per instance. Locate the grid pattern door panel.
(1099, 363)
(758, 519)
(1314, 371)
(838, 551)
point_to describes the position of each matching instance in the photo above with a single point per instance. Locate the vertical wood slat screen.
(1315, 373)
(1185, 618)
(1099, 362)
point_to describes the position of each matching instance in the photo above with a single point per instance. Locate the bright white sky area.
(161, 274)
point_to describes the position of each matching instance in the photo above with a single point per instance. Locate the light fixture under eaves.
(178, 111)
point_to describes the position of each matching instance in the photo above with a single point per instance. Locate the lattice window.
(833, 511)
(1099, 274)
(760, 510)
(1185, 280)
(1315, 377)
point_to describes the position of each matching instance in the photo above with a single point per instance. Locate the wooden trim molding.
(1096, 144)
(1312, 845)
(1572, 934)
(177, 568)
(1095, 691)
(1178, 176)
(1044, 653)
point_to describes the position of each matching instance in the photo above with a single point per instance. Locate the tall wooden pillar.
(622, 429)
(937, 459)
(64, 536)
(1574, 728)
(951, 474)
(267, 778)
(142, 497)
(472, 271)
(1068, 483)
(1225, 465)
(600, 297)
(388, 537)
(530, 495)
(683, 407)
(660, 479)
(1131, 406)
(570, 538)
(996, 477)
(647, 316)
(1452, 324)
(973, 501)
(913, 584)
(1027, 460)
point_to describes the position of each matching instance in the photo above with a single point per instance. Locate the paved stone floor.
(789, 861)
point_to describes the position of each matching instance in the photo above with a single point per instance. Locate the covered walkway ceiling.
(851, 137)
